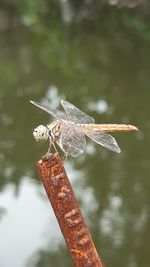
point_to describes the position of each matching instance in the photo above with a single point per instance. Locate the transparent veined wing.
(57, 114)
(76, 115)
(103, 139)
(71, 140)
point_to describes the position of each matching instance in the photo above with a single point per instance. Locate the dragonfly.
(71, 127)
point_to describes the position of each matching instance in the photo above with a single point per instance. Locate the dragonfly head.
(41, 133)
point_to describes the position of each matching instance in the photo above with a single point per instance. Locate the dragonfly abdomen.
(111, 127)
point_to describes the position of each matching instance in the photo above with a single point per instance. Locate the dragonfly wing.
(76, 115)
(57, 114)
(72, 141)
(103, 139)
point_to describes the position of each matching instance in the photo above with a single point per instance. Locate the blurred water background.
(95, 54)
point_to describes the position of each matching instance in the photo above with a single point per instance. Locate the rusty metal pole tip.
(67, 211)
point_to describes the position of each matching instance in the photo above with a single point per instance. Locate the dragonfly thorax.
(54, 130)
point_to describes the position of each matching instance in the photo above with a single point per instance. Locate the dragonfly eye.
(40, 133)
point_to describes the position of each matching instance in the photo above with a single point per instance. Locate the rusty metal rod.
(67, 211)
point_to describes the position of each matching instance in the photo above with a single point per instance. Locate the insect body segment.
(54, 130)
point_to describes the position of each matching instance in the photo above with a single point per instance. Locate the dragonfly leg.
(65, 156)
(66, 153)
(56, 152)
(54, 146)
(50, 144)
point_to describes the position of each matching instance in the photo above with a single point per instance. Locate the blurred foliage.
(134, 15)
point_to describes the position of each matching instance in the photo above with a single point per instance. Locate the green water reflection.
(103, 69)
